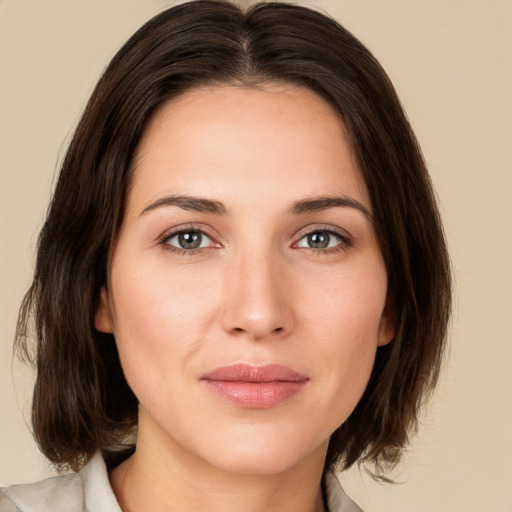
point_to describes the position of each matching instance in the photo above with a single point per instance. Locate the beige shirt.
(89, 491)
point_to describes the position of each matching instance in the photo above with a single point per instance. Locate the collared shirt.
(89, 490)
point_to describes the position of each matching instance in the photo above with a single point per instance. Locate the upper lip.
(253, 373)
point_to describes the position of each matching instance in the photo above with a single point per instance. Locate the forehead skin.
(216, 119)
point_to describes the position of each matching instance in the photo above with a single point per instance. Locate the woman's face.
(247, 288)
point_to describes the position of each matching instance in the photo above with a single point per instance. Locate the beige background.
(451, 62)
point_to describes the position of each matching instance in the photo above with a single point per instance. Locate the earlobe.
(387, 324)
(102, 318)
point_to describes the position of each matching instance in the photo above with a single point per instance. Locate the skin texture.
(254, 292)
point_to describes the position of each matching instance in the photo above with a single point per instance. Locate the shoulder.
(337, 498)
(86, 491)
(60, 493)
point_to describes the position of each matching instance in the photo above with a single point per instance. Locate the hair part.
(82, 401)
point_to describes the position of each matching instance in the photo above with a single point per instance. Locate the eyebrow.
(308, 205)
(316, 204)
(198, 204)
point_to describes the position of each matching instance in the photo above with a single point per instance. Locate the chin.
(265, 456)
(266, 463)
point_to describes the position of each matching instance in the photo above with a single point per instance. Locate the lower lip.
(256, 395)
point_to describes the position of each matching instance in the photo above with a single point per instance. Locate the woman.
(242, 282)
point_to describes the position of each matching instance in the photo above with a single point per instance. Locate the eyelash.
(345, 241)
(164, 241)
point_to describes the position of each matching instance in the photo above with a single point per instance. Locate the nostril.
(241, 330)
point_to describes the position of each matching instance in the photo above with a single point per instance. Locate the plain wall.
(451, 62)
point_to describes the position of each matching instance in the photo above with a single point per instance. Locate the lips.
(255, 387)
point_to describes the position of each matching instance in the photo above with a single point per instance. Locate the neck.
(165, 477)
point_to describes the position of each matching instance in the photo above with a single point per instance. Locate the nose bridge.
(256, 304)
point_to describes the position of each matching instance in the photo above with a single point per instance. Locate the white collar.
(98, 493)
(337, 498)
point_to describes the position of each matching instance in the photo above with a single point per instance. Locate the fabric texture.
(89, 491)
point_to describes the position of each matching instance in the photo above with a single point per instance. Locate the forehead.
(243, 144)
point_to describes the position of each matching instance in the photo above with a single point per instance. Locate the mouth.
(255, 387)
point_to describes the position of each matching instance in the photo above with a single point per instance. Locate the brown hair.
(82, 401)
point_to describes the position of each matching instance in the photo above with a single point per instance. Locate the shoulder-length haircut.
(82, 401)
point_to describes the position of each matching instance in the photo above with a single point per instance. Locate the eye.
(189, 239)
(322, 239)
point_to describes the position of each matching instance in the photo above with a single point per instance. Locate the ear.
(102, 318)
(387, 324)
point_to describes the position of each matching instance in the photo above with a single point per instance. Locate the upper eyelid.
(216, 238)
(346, 240)
(164, 241)
(183, 228)
(172, 234)
(343, 233)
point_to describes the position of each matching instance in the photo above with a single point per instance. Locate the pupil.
(190, 240)
(318, 240)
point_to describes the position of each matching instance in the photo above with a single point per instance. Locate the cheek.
(347, 305)
(345, 321)
(161, 318)
(150, 296)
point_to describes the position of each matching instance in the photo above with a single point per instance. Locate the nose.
(259, 298)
